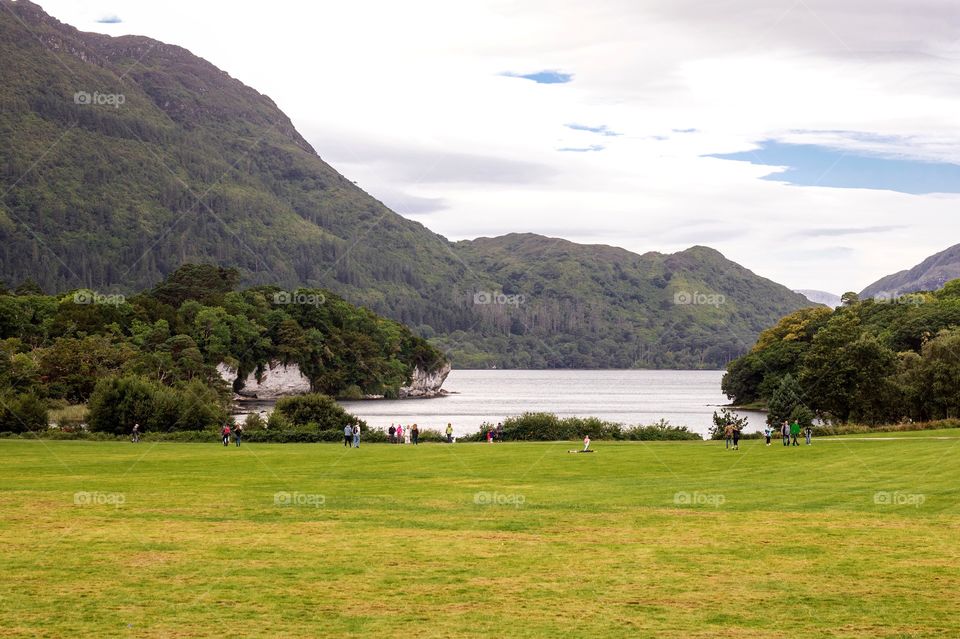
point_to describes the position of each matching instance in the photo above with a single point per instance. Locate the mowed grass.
(635, 540)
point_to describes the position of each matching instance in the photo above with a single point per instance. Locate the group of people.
(790, 432)
(226, 432)
(351, 435)
(494, 434)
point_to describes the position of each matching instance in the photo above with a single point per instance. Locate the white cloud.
(408, 99)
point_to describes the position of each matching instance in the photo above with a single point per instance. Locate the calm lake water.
(685, 398)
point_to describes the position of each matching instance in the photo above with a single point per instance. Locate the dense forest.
(869, 361)
(194, 166)
(165, 345)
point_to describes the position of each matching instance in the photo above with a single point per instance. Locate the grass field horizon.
(845, 538)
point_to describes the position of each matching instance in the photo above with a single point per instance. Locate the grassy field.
(846, 538)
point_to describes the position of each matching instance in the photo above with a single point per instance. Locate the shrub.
(317, 409)
(117, 403)
(22, 413)
(661, 431)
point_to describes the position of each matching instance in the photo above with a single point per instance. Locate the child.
(225, 433)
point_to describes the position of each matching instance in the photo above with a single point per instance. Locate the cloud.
(684, 130)
(111, 19)
(839, 232)
(409, 164)
(582, 149)
(542, 77)
(602, 129)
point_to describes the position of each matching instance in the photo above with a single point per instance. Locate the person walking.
(347, 435)
(785, 432)
(238, 434)
(406, 435)
(135, 434)
(808, 431)
(356, 436)
(449, 433)
(728, 436)
(499, 433)
(767, 431)
(225, 434)
(415, 435)
(736, 438)
(399, 434)
(392, 434)
(794, 433)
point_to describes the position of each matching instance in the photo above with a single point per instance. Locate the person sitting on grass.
(586, 443)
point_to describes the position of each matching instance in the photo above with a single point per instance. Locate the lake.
(685, 398)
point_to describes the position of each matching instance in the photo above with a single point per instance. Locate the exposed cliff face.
(278, 380)
(426, 384)
(282, 380)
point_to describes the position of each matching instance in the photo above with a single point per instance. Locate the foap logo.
(683, 498)
(95, 498)
(897, 498)
(298, 297)
(483, 298)
(695, 298)
(487, 498)
(907, 299)
(91, 297)
(308, 500)
(99, 99)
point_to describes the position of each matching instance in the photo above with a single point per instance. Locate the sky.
(815, 142)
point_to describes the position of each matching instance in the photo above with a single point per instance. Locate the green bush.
(22, 413)
(117, 403)
(550, 427)
(317, 409)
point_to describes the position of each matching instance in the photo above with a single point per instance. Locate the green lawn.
(845, 538)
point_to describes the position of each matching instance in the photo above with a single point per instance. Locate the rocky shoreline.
(284, 380)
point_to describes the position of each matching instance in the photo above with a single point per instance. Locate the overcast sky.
(812, 141)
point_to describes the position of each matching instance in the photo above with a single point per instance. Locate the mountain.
(929, 275)
(590, 306)
(820, 297)
(123, 158)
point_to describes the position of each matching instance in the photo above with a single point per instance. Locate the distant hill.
(820, 297)
(587, 304)
(929, 275)
(123, 158)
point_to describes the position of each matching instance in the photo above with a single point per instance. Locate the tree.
(785, 399)
(725, 418)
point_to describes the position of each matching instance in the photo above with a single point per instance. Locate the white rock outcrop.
(282, 380)
(425, 384)
(278, 380)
